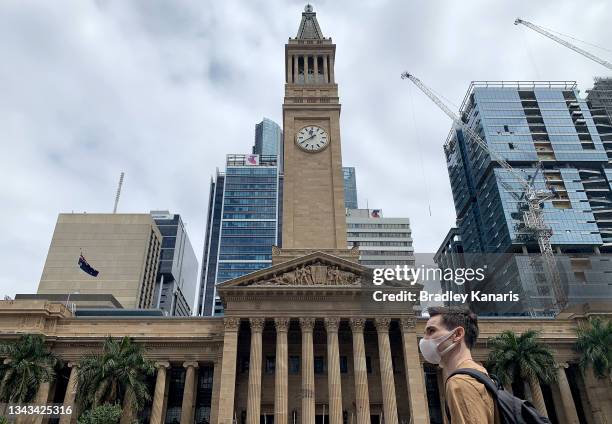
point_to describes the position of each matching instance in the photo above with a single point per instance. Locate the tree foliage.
(27, 363)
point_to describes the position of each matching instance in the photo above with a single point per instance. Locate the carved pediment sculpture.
(310, 275)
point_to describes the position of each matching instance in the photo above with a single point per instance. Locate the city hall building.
(300, 341)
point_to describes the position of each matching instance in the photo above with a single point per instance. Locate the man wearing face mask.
(450, 334)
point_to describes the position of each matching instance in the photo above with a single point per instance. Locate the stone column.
(42, 398)
(289, 70)
(569, 406)
(70, 396)
(254, 389)
(188, 392)
(415, 381)
(315, 60)
(386, 371)
(160, 393)
(334, 380)
(362, 397)
(305, 68)
(331, 69)
(325, 73)
(308, 387)
(295, 69)
(214, 403)
(227, 388)
(281, 373)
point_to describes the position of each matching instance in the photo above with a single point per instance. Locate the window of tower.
(300, 76)
(320, 75)
(310, 68)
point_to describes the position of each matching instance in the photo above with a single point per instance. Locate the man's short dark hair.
(456, 316)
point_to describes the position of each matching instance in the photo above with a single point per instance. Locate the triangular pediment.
(317, 269)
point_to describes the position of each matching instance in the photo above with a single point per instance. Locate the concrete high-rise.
(383, 242)
(600, 100)
(123, 248)
(177, 275)
(243, 223)
(350, 187)
(547, 132)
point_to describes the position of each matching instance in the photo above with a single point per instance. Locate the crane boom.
(533, 218)
(474, 136)
(563, 42)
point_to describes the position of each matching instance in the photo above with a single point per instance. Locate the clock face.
(312, 138)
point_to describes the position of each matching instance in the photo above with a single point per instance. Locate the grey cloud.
(163, 90)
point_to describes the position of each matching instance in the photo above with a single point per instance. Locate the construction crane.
(563, 42)
(533, 217)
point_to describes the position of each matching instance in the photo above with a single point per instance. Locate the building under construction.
(548, 133)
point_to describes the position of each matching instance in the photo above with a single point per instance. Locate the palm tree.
(595, 346)
(115, 375)
(513, 356)
(27, 364)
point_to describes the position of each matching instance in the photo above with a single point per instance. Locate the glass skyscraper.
(547, 132)
(268, 139)
(242, 226)
(350, 188)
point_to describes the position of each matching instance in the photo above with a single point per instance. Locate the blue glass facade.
(547, 132)
(350, 188)
(268, 139)
(243, 224)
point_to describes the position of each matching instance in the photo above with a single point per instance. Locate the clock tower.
(313, 190)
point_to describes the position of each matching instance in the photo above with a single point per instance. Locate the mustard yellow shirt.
(468, 400)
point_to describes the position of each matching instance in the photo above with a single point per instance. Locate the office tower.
(383, 242)
(177, 274)
(547, 132)
(600, 100)
(124, 249)
(242, 225)
(268, 139)
(350, 187)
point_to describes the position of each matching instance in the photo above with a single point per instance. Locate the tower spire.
(309, 27)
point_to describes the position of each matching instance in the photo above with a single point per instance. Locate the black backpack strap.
(480, 376)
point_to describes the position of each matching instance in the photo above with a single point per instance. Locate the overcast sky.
(164, 89)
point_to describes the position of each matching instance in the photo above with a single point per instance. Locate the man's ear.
(459, 333)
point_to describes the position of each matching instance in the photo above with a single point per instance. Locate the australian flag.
(86, 267)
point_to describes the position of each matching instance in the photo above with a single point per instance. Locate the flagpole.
(118, 192)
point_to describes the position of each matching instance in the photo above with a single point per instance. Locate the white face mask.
(429, 348)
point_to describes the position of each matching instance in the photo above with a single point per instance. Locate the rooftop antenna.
(118, 192)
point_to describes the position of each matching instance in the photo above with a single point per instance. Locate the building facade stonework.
(301, 341)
